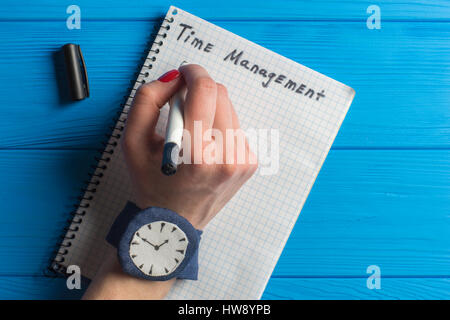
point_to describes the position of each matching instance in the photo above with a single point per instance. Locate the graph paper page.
(241, 245)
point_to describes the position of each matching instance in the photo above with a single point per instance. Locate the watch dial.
(158, 248)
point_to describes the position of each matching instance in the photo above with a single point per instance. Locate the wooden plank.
(39, 288)
(356, 289)
(232, 9)
(38, 193)
(400, 74)
(324, 288)
(385, 208)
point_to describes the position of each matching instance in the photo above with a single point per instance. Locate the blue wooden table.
(382, 197)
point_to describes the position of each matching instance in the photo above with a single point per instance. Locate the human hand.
(198, 191)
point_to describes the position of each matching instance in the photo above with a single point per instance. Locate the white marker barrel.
(174, 133)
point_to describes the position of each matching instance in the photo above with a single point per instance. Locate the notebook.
(296, 112)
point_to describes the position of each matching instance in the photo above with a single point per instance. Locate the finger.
(143, 115)
(223, 118)
(200, 103)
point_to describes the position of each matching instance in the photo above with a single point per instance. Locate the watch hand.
(158, 246)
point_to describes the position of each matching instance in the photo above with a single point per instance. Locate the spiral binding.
(55, 267)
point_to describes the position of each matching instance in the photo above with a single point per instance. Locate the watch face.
(158, 248)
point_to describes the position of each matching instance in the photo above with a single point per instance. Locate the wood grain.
(400, 73)
(381, 198)
(388, 208)
(324, 288)
(37, 287)
(231, 9)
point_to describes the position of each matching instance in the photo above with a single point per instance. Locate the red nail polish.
(169, 76)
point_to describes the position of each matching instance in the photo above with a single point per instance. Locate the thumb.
(144, 113)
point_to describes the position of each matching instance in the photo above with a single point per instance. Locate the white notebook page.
(240, 247)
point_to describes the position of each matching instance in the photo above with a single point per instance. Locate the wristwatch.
(155, 243)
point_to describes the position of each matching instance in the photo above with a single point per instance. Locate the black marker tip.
(170, 158)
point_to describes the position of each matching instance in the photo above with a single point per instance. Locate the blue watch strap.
(120, 224)
(119, 228)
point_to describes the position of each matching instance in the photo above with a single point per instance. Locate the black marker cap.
(76, 72)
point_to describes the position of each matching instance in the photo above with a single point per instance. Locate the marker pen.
(174, 133)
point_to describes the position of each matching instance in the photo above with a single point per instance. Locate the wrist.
(174, 240)
(111, 283)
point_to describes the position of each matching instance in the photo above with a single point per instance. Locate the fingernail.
(169, 76)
